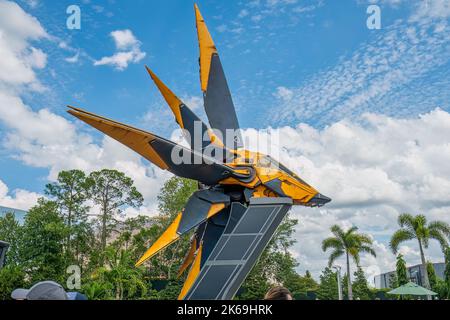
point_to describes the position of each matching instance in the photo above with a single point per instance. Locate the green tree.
(393, 280)
(42, 252)
(348, 243)
(328, 286)
(401, 271)
(174, 194)
(417, 227)
(11, 232)
(431, 276)
(11, 277)
(301, 285)
(70, 193)
(112, 191)
(361, 288)
(447, 272)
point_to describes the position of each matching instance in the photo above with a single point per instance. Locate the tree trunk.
(424, 267)
(104, 233)
(349, 279)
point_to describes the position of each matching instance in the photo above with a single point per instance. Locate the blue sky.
(364, 113)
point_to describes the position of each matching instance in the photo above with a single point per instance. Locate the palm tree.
(349, 243)
(416, 227)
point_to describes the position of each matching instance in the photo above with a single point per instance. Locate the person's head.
(278, 293)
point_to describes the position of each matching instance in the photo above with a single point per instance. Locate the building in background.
(3, 248)
(19, 214)
(415, 274)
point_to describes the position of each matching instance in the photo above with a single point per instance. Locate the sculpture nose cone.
(319, 200)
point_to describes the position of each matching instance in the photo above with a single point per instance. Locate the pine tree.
(361, 289)
(431, 275)
(401, 271)
(328, 287)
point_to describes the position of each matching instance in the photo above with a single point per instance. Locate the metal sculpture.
(244, 195)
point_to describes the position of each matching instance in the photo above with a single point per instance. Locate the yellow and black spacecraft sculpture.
(243, 195)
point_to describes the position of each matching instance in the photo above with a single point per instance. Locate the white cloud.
(18, 199)
(432, 9)
(373, 168)
(129, 51)
(18, 58)
(380, 75)
(73, 59)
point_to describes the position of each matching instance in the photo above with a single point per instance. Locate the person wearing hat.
(46, 290)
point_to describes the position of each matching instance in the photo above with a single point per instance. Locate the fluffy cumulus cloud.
(373, 168)
(18, 199)
(18, 56)
(128, 50)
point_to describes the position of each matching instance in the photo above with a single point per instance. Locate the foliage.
(328, 286)
(361, 289)
(349, 244)
(447, 273)
(401, 271)
(174, 194)
(11, 232)
(431, 275)
(70, 192)
(42, 252)
(300, 286)
(112, 191)
(11, 277)
(417, 227)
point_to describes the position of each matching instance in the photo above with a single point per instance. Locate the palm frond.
(400, 236)
(406, 220)
(351, 231)
(436, 235)
(441, 227)
(334, 255)
(368, 250)
(364, 239)
(332, 242)
(337, 231)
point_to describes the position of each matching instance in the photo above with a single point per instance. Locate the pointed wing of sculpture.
(217, 99)
(166, 154)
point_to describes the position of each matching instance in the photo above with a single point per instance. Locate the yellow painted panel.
(215, 208)
(207, 48)
(168, 237)
(189, 257)
(171, 99)
(193, 274)
(135, 139)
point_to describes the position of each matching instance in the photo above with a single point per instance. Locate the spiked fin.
(189, 257)
(172, 100)
(193, 274)
(185, 117)
(207, 48)
(168, 237)
(218, 103)
(194, 165)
